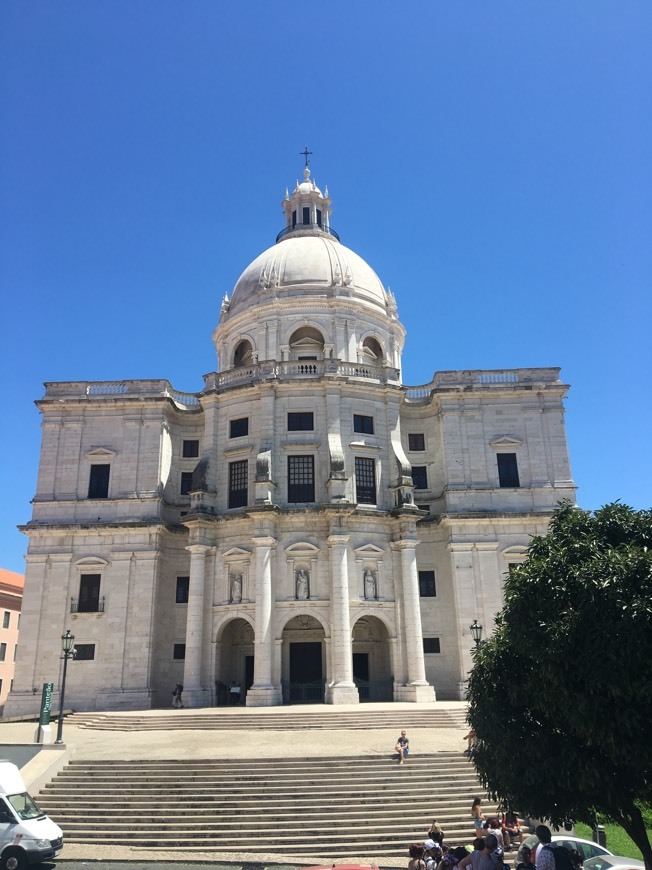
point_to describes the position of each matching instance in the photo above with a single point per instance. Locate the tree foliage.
(561, 694)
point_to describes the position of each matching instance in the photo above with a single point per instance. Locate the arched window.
(307, 343)
(372, 352)
(243, 355)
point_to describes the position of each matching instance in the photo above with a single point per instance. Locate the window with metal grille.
(507, 470)
(431, 645)
(427, 588)
(301, 421)
(301, 479)
(98, 483)
(239, 427)
(238, 474)
(179, 651)
(186, 482)
(419, 477)
(364, 424)
(190, 449)
(416, 441)
(183, 588)
(365, 480)
(84, 652)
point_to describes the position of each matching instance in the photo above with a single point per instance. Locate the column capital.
(264, 541)
(338, 540)
(198, 548)
(404, 544)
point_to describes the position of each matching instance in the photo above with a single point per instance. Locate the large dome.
(308, 265)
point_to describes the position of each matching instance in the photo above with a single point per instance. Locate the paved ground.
(195, 744)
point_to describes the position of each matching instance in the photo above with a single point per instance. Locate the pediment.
(510, 554)
(91, 563)
(506, 442)
(100, 453)
(369, 551)
(301, 547)
(236, 553)
(306, 343)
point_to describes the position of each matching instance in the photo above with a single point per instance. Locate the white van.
(27, 835)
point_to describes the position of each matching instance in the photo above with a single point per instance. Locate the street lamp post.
(68, 652)
(476, 632)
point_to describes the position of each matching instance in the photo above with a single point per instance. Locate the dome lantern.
(307, 210)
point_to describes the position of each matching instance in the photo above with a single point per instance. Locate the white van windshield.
(24, 806)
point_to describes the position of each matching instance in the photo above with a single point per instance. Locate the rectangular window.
(0, 686)
(427, 588)
(507, 470)
(6, 618)
(186, 482)
(424, 508)
(416, 441)
(89, 593)
(98, 484)
(294, 218)
(183, 587)
(179, 651)
(190, 449)
(419, 477)
(306, 214)
(318, 217)
(84, 652)
(364, 424)
(238, 474)
(431, 645)
(301, 421)
(3, 651)
(301, 479)
(238, 428)
(365, 480)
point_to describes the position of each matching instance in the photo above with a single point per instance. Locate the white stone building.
(306, 525)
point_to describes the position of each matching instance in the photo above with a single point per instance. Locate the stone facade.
(305, 525)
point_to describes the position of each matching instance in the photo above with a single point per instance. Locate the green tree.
(560, 695)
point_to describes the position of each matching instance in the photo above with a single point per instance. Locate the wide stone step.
(241, 720)
(302, 807)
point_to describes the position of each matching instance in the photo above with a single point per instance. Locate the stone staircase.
(280, 719)
(308, 808)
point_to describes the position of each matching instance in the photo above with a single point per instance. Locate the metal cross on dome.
(306, 153)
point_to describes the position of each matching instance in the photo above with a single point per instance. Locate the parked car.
(613, 862)
(586, 848)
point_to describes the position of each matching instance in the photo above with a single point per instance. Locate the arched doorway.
(303, 662)
(234, 661)
(372, 672)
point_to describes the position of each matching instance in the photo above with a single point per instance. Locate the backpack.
(561, 856)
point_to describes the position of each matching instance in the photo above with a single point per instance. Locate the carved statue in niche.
(236, 588)
(369, 585)
(302, 585)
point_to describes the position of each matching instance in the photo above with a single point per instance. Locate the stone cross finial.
(306, 154)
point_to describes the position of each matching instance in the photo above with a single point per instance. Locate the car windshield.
(24, 806)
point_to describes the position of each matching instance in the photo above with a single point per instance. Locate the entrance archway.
(372, 672)
(234, 661)
(303, 663)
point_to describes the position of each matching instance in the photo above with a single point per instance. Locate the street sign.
(46, 704)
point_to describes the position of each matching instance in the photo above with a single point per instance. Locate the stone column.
(263, 693)
(341, 689)
(194, 694)
(417, 687)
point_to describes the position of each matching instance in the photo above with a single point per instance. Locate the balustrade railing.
(481, 378)
(94, 605)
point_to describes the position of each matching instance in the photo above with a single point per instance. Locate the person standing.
(477, 816)
(176, 696)
(402, 747)
(234, 691)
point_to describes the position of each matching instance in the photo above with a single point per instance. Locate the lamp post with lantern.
(476, 632)
(68, 652)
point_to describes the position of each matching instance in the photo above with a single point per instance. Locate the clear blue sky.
(491, 160)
